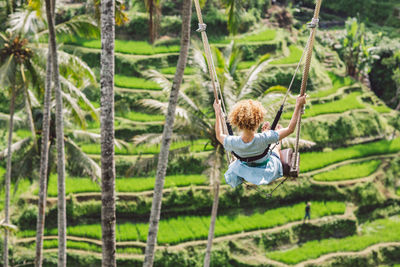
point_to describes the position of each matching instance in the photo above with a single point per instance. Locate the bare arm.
(284, 132)
(218, 131)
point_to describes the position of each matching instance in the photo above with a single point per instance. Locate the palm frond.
(76, 66)
(82, 25)
(86, 136)
(156, 138)
(145, 165)
(8, 226)
(160, 79)
(199, 60)
(26, 22)
(6, 117)
(246, 87)
(16, 147)
(82, 99)
(156, 105)
(80, 160)
(76, 112)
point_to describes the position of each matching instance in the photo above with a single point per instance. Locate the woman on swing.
(247, 115)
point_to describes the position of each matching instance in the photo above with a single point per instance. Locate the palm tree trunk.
(44, 163)
(216, 182)
(107, 134)
(8, 177)
(151, 21)
(62, 223)
(167, 133)
(28, 108)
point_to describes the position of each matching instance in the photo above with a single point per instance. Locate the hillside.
(350, 173)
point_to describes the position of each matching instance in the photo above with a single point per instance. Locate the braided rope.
(306, 71)
(211, 69)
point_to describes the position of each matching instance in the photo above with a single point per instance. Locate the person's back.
(253, 148)
(247, 115)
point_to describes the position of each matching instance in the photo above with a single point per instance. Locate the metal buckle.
(313, 23)
(202, 27)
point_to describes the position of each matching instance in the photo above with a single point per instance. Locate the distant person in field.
(247, 115)
(307, 210)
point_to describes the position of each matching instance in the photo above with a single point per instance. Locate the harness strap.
(254, 158)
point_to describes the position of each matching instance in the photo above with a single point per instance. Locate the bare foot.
(266, 126)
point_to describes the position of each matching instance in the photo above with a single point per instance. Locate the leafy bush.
(341, 129)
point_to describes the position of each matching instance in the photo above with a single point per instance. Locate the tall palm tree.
(154, 9)
(167, 133)
(13, 55)
(107, 133)
(61, 203)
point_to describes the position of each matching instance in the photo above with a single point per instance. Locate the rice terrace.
(188, 133)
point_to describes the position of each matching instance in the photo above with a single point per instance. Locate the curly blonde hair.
(247, 115)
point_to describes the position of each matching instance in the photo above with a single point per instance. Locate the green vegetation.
(172, 70)
(49, 244)
(21, 133)
(135, 83)
(180, 229)
(262, 36)
(350, 171)
(347, 103)
(137, 184)
(131, 47)
(381, 108)
(316, 160)
(294, 56)
(246, 65)
(139, 116)
(385, 230)
(337, 82)
(195, 146)
(23, 186)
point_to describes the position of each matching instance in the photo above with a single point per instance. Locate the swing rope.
(212, 71)
(217, 90)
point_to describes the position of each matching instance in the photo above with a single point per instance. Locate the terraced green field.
(249, 211)
(195, 146)
(181, 229)
(349, 102)
(130, 47)
(379, 231)
(143, 117)
(135, 83)
(138, 184)
(316, 160)
(350, 171)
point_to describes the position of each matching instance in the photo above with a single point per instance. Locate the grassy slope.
(185, 228)
(138, 184)
(316, 160)
(384, 230)
(350, 171)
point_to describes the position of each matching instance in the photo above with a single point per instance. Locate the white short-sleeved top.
(253, 148)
